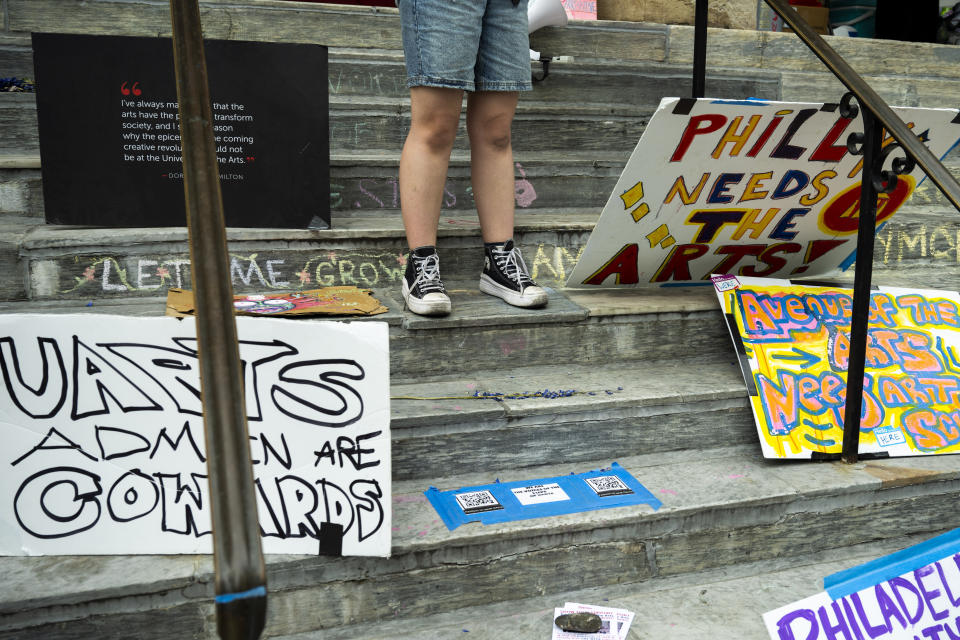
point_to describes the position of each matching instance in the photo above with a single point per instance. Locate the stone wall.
(727, 14)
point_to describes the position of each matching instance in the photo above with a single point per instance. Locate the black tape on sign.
(331, 539)
(684, 106)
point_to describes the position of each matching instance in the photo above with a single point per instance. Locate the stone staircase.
(659, 388)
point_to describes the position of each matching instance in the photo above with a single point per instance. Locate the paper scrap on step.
(615, 622)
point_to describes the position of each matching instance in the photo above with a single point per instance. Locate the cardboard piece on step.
(328, 301)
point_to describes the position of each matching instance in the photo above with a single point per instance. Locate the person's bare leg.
(434, 119)
(489, 116)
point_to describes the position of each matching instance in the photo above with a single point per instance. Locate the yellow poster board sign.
(794, 346)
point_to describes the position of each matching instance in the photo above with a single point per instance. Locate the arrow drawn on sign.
(805, 358)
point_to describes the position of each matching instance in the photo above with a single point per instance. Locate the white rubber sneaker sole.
(432, 304)
(531, 298)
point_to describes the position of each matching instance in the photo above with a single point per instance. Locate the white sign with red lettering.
(747, 188)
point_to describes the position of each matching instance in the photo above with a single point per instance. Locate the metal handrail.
(240, 575)
(869, 99)
(865, 94)
(877, 118)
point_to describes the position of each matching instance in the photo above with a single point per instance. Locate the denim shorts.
(474, 45)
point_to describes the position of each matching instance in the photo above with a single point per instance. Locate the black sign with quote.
(110, 140)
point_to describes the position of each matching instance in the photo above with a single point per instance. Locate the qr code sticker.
(608, 486)
(889, 436)
(477, 502)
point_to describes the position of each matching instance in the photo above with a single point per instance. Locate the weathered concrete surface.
(16, 57)
(685, 431)
(722, 507)
(280, 21)
(645, 337)
(786, 52)
(920, 237)
(13, 268)
(726, 604)
(370, 124)
(726, 14)
(18, 124)
(267, 20)
(70, 262)
(620, 407)
(21, 193)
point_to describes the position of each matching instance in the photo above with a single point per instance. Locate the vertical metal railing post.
(241, 596)
(869, 99)
(868, 143)
(700, 49)
(874, 180)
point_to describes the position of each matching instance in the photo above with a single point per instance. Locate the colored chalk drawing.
(794, 343)
(746, 188)
(154, 274)
(580, 9)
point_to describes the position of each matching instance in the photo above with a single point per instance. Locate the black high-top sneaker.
(422, 288)
(505, 275)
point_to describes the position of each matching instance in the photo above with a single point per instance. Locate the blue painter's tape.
(749, 102)
(525, 499)
(896, 564)
(256, 592)
(687, 284)
(849, 260)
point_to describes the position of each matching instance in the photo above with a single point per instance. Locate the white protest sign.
(748, 188)
(104, 448)
(923, 604)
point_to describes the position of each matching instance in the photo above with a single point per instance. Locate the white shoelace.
(428, 274)
(511, 264)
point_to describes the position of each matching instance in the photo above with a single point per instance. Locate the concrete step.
(368, 123)
(726, 604)
(590, 41)
(722, 507)
(486, 333)
(381, 73)
(355, 72)
(366, 184)
(624, 400)
(21, 186)
(16, 55)
(921, 239)
(71, 262)
(624, 406)
(606, 72)
(364, 124)
(367, 250)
